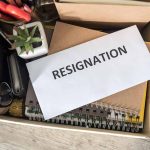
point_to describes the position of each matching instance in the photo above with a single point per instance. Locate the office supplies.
(48, 78)
(123, 111)
(33, 111)
(71, 39)
(15, 75)
(18, 75)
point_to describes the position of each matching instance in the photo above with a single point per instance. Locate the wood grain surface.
(23, 137)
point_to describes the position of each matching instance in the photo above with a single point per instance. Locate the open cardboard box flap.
(103, 15)
(73, 35)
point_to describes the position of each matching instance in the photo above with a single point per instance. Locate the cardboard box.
(103, 15)
(72, 39)
(72, 32)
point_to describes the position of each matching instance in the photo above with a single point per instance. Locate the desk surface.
(22, 137)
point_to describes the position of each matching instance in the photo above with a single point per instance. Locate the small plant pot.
(40, 48)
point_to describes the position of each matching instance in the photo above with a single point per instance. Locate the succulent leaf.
(32, 49)
(19, 43)
(35, 40)
(28, 39)
(26, 32)
(21, 32)
(33, 31)
(16, 37)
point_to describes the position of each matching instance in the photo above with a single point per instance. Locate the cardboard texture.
(110, 2)
(147, 113)
(103, 15)
(72, 35)
(76, 35)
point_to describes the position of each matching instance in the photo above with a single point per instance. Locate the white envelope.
(61, 93)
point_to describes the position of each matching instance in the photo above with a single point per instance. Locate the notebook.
(122, 111)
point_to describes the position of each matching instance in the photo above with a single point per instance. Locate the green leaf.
(33, 31)
(22, 32)
(16, 38)
(15, 45)
(35, 40)
(28, 39)
(26, 31)
(32, 49)
(12, 37)
(28, 47)
(19, 43)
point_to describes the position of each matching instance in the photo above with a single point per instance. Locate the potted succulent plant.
(29, 40)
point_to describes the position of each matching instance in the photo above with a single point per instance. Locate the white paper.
(57, 96)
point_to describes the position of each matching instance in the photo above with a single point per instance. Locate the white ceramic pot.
(39, 51)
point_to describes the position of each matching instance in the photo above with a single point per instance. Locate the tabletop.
(28, 137)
